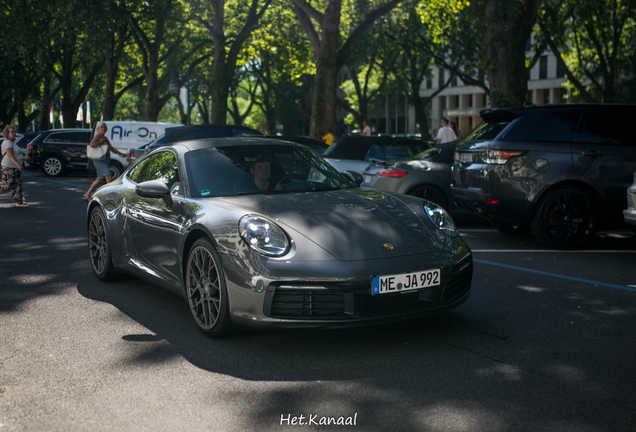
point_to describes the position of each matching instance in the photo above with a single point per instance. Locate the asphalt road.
(545, 343)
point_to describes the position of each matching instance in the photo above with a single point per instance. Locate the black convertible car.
(257, 232)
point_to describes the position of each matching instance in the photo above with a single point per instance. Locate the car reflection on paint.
(311, 249)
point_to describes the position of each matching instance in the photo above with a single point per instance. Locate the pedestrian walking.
(101, 165)
(328, 139)
(445, 134)
(12, 167)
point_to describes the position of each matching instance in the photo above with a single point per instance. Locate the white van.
(128, 135)
(125, 135)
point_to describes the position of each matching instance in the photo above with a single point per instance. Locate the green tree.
(230, 25)
(324, 32)
(280, 59)
(159, 33)
(594, 42)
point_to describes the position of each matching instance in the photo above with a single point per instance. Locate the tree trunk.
(46, 104)
(505, 37)
(420, 116)
(112, 72)
(112, 68)
(323, 107)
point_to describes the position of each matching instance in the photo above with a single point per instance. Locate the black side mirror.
(354, 177)
(154, 189)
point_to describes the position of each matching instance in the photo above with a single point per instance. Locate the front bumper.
(506, 209)
(308, 304)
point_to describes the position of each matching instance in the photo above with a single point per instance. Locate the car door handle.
(592, 153)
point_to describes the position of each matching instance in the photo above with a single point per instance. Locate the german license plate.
(405, 281)
(466, 157)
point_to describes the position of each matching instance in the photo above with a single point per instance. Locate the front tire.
(53, 166)
(206, 291)
(566, 218)
(99, 246)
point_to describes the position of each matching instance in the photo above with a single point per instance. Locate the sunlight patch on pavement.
(447, 417)
(531, 289)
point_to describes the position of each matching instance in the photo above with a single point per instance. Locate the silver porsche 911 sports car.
(254, 232)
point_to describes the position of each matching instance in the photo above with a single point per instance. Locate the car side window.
(550, 125)
(607, 126)
(68, 138)
(162, 166)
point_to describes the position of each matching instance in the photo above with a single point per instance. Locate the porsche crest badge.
(389, 246)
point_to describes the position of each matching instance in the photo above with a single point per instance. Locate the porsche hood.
(349, 224)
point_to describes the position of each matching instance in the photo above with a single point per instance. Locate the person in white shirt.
(445, 134)
(12, 167)
(366, 130)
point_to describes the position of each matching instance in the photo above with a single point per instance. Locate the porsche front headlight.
(264, 236)
(440, 217)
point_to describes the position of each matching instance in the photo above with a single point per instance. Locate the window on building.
(442, 79)
(546, 96)
(454, 81)
(560, 70)
(429, 83)
(543, 67)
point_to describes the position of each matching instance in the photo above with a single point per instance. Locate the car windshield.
(259, 169)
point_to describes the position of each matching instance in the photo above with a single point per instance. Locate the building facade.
(462, 103)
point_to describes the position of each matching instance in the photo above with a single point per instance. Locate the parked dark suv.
(56, 151)
(559, 171)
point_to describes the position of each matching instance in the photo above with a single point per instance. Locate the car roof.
(507, 114)
(185, 146)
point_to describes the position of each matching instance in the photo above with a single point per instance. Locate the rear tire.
(565, 218)
(431, 193)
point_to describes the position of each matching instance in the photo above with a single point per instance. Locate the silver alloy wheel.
(53, 166)
(203, 288)
(97, 243)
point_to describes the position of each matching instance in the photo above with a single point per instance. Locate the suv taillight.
(499, 157)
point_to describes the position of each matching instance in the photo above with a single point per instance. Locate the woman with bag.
(101, 165)
(12, 167)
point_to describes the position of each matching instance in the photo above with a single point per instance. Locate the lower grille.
(459, 283)
(296, 303)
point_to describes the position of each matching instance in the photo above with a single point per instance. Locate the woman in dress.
(101, 166)
(12, 166)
